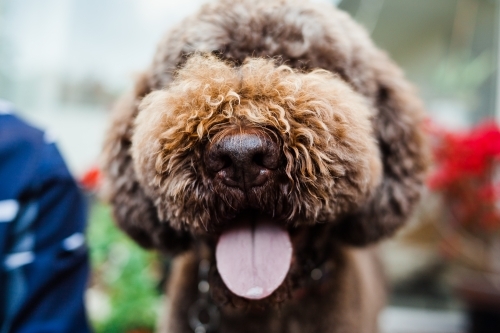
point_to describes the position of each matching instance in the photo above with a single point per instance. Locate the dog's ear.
(398, 127)
(133, 210)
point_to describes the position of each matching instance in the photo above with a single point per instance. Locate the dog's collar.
(204, 315)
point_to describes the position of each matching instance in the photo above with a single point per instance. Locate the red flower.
(464, 174)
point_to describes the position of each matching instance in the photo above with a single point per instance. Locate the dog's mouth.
(254, 256)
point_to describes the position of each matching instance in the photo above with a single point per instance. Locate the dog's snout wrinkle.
(243, 159)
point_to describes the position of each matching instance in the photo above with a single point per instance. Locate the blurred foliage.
(124, 294)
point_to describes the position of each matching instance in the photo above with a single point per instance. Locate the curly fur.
(332, 161)
(348, 124)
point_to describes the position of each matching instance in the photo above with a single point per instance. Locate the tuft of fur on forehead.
(331, 160)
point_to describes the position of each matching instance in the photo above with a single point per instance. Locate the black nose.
(243, 159)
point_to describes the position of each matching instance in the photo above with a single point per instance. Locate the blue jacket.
(43, 256)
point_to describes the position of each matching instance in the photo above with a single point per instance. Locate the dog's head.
(246, 154)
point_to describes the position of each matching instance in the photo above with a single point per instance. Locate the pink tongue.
(253, 261)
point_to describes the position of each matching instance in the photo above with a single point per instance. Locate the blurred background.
(64, 62)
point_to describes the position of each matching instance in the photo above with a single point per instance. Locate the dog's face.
(246, 154)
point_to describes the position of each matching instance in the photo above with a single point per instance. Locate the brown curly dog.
(271, 144)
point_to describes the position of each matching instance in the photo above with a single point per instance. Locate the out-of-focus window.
(447, 47)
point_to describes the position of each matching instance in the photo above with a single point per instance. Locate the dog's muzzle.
(253, 252)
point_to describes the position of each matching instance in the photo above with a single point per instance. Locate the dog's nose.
(243, 159)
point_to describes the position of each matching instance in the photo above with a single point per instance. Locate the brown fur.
(332, 164)
(349, 127)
